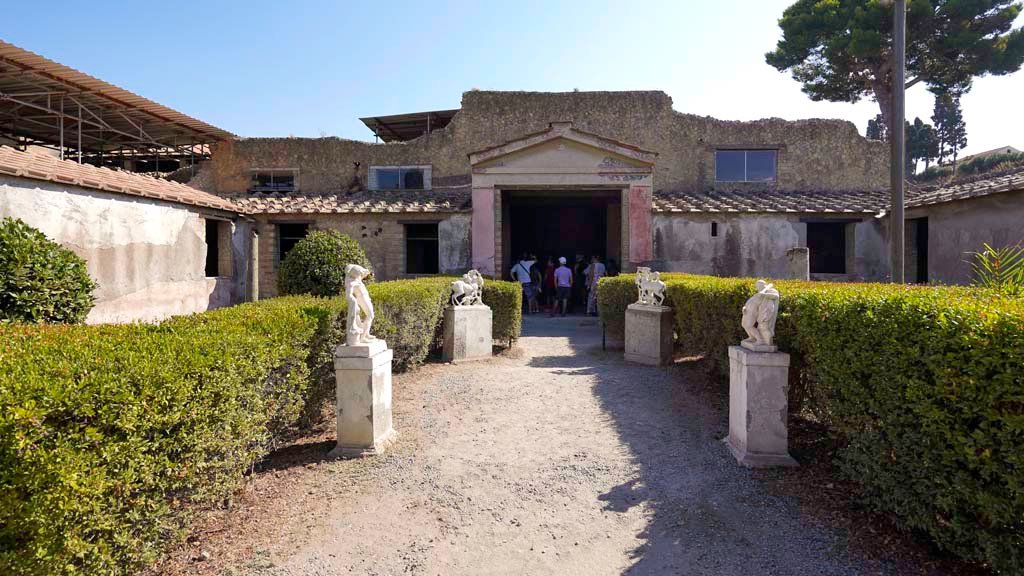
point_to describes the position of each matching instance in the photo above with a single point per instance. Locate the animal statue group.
(469, 290)
(759, 315)
(360, 308)
(650, 288)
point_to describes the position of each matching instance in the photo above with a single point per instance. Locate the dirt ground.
(554, 458)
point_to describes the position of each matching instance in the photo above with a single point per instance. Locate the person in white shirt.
(521, 273)
(595, 272)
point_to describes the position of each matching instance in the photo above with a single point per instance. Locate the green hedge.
(109, 435)
(506, 302)
(924, 385)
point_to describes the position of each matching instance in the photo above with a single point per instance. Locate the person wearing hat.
(563, 286)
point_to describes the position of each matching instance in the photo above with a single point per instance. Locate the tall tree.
(921, 144)
(840, 50)
(949, 127)
(876, 129)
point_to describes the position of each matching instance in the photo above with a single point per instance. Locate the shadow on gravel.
(295, 455)
(706, 515)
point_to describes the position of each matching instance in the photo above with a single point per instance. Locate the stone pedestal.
(758, 407)
(649, 334)
(467, 333)
(363, 376)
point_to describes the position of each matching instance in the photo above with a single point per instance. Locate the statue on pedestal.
(360, 308)
(650, 288)
(759, 315)
(469, 291)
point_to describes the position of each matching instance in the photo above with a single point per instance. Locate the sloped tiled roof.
(456, 199)
(44, 167)
(964, 190)
(772, 201)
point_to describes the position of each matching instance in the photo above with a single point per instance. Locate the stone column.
(467, 333)
(483, 231)
(758, 408)
(363, 376)
(649, 334)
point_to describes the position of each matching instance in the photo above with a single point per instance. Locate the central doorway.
(561, 223)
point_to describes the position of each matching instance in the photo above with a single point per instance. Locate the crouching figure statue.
(759, 315)
(360, 308)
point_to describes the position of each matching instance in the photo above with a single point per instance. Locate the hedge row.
(109, 435)
(924, 385)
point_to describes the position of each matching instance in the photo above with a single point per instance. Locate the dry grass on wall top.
(923, 386)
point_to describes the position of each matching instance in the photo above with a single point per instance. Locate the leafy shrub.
(316, 264)
(984, 164)
(40, 280)
(506, 302)
(107, 432)
(1001, 269)
(922, 384)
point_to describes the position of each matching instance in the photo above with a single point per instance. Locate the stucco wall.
(957, 229)
(147, 257)
(814, 154)
(752, 245)
(382, 237)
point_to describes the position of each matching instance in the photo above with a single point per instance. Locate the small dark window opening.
(288, 235)
(826, 242)
(714, 229)
(273, 181)
(422, 249)
(212, 248)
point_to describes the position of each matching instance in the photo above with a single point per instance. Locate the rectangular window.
(422, 254)
(745, 165)
(399, 178)
(212, 249)
(288, 235)
(826, 242)
(274, 181)
(714, 229)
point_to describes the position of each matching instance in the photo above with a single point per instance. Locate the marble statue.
(469, 290)
(759, 315)
(650, 287)
(360, 308)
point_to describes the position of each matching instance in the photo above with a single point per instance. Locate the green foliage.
(1001, 269)
(107, 432)
(876, 129)
(506, 302)
(982, 164)
(925, 386)
(922, 144)
(316, 264)
(839, 50)
(40, 280)
(950, 128)
(111, 435)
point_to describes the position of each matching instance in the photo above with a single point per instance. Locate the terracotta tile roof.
(454, 199)
(44, 167)
(771, 201)
(1007, 182)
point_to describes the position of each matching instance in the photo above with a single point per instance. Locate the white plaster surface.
(648, 335)
(467, 333)
(363, 380)
(758, 408)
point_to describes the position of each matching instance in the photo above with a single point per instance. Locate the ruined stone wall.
(148, 257)
(382, 237)
(755, 245)
(958, 229)
(813, 154)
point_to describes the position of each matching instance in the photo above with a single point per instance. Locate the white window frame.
(775, 164)
(256, 189)
(427, 176)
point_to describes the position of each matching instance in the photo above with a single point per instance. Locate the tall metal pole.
(896, 140)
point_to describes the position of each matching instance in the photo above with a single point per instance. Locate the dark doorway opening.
(917, 251)
(826, 242)
(561, 223)
(422, 249)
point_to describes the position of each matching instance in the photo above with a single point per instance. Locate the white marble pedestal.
(649, 334)
(363, 376)
(758, 407)
(467, 333)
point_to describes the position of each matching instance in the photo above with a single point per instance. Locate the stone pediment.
(563, 149)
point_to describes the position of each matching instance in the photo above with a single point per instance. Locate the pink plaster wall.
(483, 230)
(640, 238)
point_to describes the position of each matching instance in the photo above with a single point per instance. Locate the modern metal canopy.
(405, 127)
(45, 103)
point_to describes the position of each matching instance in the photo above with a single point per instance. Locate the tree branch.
(912, 82)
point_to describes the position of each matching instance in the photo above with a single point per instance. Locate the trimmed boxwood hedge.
(110, 435)
(924, 386)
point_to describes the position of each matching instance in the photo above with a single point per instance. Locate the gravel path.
(559, 458)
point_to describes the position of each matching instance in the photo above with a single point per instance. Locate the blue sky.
(311, 68)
